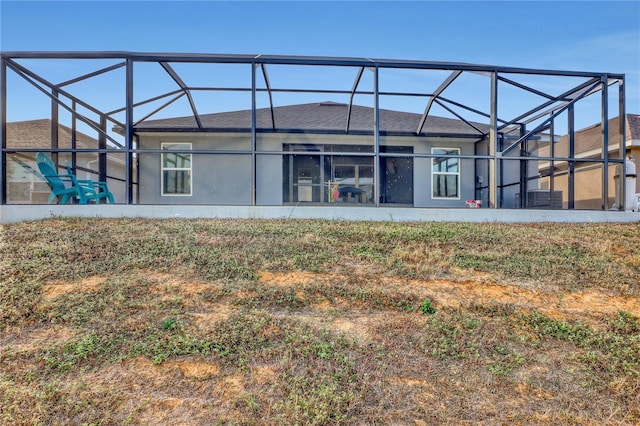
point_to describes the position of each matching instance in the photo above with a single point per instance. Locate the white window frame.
(164, 169)
(435, 173)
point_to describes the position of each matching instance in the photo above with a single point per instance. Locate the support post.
(253, 134)
(102, 156)
(3, 132)
(524, 169)
(376, 124)
(493, 143)
(74, 138)
(605, 143)
(552, 167)
(55, 122)
(572, 164)
(128, 135)
(623, 140)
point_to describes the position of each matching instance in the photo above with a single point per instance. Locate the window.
(176, 169)
(445, 173)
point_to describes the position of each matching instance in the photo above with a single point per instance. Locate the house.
(588, 145)
(25, 185)
(311, 154)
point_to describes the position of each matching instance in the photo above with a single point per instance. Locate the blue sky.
(569, 35)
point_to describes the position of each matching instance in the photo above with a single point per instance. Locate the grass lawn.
(263, 322)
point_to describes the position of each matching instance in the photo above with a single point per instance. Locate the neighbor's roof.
(589, 139)
(37, 134)
(323, 117)
(633, 127)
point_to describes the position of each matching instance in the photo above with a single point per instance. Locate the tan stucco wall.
(588, 183)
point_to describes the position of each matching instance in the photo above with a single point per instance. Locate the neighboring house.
(587, 175)
(25, 184)
(316, 153)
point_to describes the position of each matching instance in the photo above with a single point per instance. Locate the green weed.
(427, 307)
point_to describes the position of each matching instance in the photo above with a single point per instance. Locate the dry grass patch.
(590, 305)
(89, 284)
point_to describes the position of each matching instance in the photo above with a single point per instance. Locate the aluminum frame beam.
(494, 170)
(254, 136)
(267, 83)
(3, 131)
(352, 94)
(128, 131)
(475, 111)
(623, 138)
(92, 74)
(160, 108)
(437, 93)
(583, 93)
(524, 87)
(545, 122)
(461, 118)
(293, 60)
(376, 126)
(605, 144)
(550, 103)
(29, 77)
(146, 101)
(174, 75)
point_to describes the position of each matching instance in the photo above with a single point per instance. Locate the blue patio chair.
(100, 188)
(67, 186)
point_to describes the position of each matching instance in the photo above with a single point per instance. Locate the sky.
(601, 36)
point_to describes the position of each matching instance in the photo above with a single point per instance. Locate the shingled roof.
(323, 117)
(633, 127)
(589, 139)
(37, 134)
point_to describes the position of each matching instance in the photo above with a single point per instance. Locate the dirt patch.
(163, 278)
(214, 313)
(59, 288)
(167, 284)
(233, 385)
(188, 391)
(289, 279)
(196, 370)
(263, 373)
(592, 303)
(528, 391)
(323, 306)
(189, 368)
(567, 305)
(599, 302)
(405, 381)
(35, 339)
(357, 327)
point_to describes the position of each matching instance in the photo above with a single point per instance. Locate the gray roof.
(323, 117)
